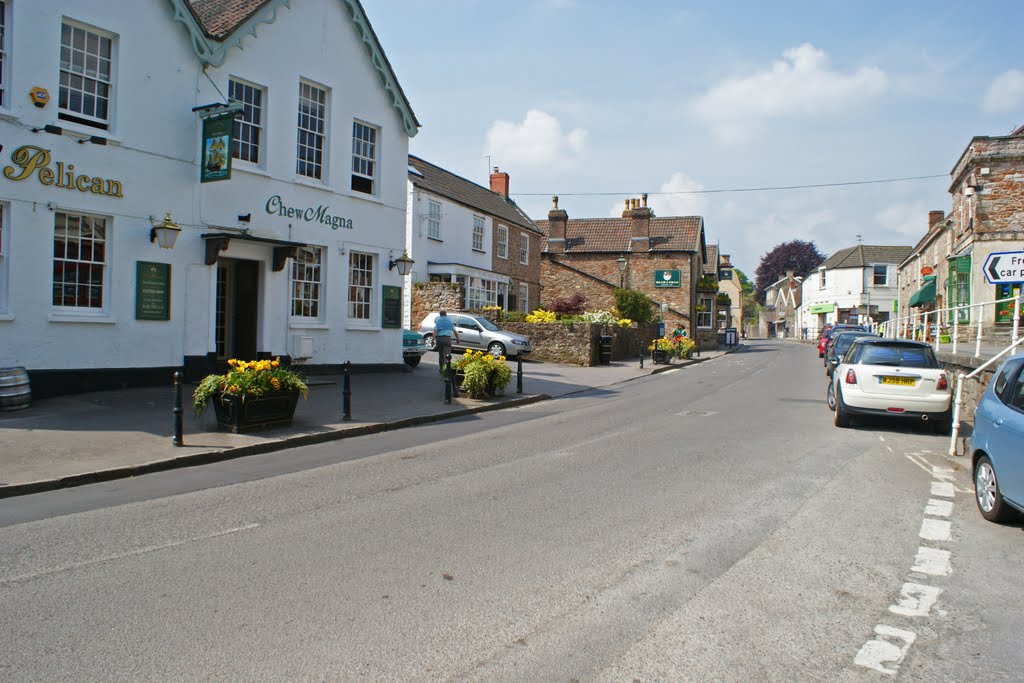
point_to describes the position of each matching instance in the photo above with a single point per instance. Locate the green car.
(413, 347)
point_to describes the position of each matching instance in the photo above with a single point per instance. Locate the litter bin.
(604, 350)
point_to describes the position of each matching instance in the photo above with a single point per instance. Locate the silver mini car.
(478, 333)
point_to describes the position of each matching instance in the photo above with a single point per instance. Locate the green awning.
(822, 308)
(925, 295)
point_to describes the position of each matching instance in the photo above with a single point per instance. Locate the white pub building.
(188, 181)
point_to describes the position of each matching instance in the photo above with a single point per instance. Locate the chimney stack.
(640, 233)
(790, 277)
(935, 217)
(558, 219)
(499, 182)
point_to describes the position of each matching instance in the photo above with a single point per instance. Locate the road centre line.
(943, 489)
(932, 561)
(939, 508)
(132, 553)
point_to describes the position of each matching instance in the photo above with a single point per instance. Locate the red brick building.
(662, 257)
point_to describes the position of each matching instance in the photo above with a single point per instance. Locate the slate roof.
(864, 255)
(711, 266)
(584, 235)
(436, 180)
(219, 18)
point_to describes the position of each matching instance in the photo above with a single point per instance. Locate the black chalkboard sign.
(152, 291)
(391, 312)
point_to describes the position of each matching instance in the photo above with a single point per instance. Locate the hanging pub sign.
(391, 311)
(667, 278)
(216, 161)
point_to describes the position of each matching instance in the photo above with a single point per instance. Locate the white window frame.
(524, 297)
(362, 283)
(874, 275)
(365, 156)
(480, 292)
(478, 233)
(434, 214)
(105, 291)
(821, 279)
(503, 241)
(309, 168)
(705, 318)
(524, 249)
(307, 285)
(86, 72)
(254, 116)
(5, 57)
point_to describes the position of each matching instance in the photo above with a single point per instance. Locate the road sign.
(1004, 267)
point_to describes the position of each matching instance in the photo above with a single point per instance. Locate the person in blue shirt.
(444, 331)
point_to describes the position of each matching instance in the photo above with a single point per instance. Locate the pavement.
(105, 435)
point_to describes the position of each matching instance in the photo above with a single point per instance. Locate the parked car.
(822, 340)
(839, 346)
(894, 378)
(997, 444)
(831, 335)
(478, 333)
(413, 347)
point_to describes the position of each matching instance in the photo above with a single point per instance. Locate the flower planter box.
(659, 356)
(240, 413)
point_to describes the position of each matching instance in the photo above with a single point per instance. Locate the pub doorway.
(237, 312)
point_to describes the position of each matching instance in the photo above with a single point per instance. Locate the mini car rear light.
(896, 410)
(942, 384)
(851, 376)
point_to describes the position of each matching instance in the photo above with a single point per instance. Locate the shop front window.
(79, 260)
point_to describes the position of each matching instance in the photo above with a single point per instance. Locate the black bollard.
(346, 391)
(178, 438)
(449, 379)
(641, 354)
(698, 346)
(519, 374)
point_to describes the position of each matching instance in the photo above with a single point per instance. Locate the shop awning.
(217, 242)
(823, 308)
(925, 295)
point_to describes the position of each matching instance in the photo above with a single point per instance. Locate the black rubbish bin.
(604, 350)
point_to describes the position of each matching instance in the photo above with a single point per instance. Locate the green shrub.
(634, 305)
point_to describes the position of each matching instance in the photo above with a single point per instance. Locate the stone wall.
(973, 388)
(577, 343)
(434, 296)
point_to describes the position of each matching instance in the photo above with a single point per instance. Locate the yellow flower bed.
(248, 378)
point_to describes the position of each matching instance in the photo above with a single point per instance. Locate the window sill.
(435, 239)
(356, 327)
(9, 114)
(6, 317)
(243, 167)
(312, 183)
(503, 258)
(479, 251)
(302, 325)
(88, 319)
(77, 130)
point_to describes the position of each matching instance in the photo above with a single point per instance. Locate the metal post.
(956, 413)
(448, 379)
(519, 373)
(178, 439)
(1016, 320)
(977, 340)
(346, 391)
(956, 327)
(641, 354)
(697, 339)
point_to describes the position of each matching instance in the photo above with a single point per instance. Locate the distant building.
(730, 285)
(782, 299)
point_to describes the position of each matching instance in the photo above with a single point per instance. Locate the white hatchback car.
(892, 378)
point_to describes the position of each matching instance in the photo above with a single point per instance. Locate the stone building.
(987, 216)
(661, 257)
(730, 285)
(781, 302)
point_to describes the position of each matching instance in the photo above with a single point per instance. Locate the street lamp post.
(622, 271)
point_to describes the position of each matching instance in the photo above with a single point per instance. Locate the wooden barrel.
(15, 391)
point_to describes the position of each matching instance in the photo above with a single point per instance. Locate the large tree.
(799, 256)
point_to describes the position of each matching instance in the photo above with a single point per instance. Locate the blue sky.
(597, 101)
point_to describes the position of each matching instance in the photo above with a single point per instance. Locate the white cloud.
(909, 220)
(1005, 93)
(801, 85)
(668, 204)
(537, 141)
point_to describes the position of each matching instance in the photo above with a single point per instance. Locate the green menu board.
(152, 291)
(391, 301)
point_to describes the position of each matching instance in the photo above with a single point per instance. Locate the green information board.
(667, 278)
(391, 306)
(152, 291)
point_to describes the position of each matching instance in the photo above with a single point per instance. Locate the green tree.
(634, 305)
(745, 284)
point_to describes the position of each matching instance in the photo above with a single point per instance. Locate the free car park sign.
(1004, 267)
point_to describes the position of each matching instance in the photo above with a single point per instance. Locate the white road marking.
(942, 488)
(932, 561)
(939, 508)
(916, 600)
(934, 530)
(132, 553)
(881, 438)
(942, 472)
(881, 650)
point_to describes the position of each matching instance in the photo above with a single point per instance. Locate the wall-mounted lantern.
(403, 262)
(165, 233)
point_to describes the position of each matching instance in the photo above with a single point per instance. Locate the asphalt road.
(707, 523)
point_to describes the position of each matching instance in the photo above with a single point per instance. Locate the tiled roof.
(863, 255)
(674, 233)
(711, 267)
(436, 180)
(219, 18)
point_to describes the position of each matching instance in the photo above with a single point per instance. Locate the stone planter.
(245, 413)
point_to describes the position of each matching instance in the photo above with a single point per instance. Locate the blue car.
(997, 444)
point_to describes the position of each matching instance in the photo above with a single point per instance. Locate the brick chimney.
(640, 232)
(935, 217)
(499, 182)
(557, 221)
(790, 278)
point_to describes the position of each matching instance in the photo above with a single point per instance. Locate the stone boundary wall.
(577, 343)
(433, 296)
(973, 388)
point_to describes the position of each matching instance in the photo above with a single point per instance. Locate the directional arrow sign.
(1004, 267)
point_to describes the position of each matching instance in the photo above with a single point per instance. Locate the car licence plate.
(903, 381)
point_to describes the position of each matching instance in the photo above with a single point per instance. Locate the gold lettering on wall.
(29, 159)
